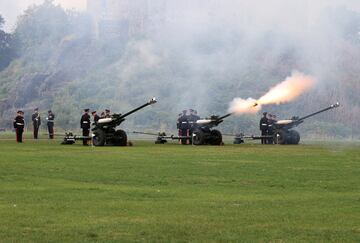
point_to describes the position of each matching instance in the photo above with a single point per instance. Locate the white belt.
(264, 124)
(20, 124)
(184, 122)
(85, 122)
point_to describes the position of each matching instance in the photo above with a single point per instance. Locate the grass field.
(173, 193)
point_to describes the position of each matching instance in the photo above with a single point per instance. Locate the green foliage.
(7, 47)
(173, 193)
(41, 25)
(62, 66)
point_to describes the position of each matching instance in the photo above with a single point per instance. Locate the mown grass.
(173, 193)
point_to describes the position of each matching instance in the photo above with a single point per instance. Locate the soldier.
(193, 117)
(19, 124)
(107, 113)
(50, 124)
(184, 126)
(264, 127)
(271, 129)
(36, 119)
(85, 126)
(178, 122)
(95, 116)
(102, 115)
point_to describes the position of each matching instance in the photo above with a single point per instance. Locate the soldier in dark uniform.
(184, 126)
(271, 129)
(107, 113)
(264, 127)
(36, 122)
(85, 126)
(178, 122)
(192, 118)
(19, 124)
(50, 124)
(95, 116)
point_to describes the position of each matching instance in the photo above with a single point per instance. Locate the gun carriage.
(283, 129)
(105, 132)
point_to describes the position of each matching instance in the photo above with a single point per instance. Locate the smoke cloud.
(288, 90)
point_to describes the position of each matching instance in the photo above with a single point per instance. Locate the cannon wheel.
(294, 137)
(215, 137)
(120, 138)
(99, 138)
(198, 137)
(281, 137)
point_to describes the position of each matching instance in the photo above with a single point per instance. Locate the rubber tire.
(198, 137)
(120, 138)
(99, 138)
(281, 137)
(294, 137)
(215, 137)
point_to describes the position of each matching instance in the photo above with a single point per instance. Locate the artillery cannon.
(283, 133)
(202, 131)
(105, 133)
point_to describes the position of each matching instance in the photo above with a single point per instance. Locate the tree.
(7, 52)
(42, 25)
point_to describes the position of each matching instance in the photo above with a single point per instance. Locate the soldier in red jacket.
(19, 124)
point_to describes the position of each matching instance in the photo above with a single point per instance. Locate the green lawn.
(174, 193)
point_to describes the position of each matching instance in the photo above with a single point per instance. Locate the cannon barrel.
(226, 116)
(337, 104)
(288, 124)
(152, 101)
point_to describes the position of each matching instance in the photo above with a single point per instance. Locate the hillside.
(60, 65)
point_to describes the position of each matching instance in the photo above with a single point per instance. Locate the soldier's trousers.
(36, 132)
(19, 134)
(51, 131)
(185, 133)
(264, 133)
(85, 133)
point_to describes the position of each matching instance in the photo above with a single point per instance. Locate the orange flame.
(239, 106)
(288, 90)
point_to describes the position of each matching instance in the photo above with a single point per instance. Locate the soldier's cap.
(265, 113)
(36, 109)
(184, 111)
(107, 110)
(49, 111)
(86, 110)
(19, 111)
(93, 112)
